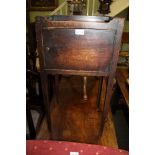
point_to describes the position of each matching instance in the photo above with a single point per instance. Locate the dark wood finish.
(78, 120)
(32, 131)
(120, 98)
(99, 92)
(121, 76)
(34, 101)
(66, 50)
(125, 37)
(56, 88)
(31, 45)
(46, 98)
(93, 52)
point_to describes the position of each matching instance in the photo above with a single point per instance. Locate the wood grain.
(93, 54)
(91, 51)
(77, 120)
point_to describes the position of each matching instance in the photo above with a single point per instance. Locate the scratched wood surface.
(76, 120)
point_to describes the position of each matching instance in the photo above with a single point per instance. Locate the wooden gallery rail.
(79, 45)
